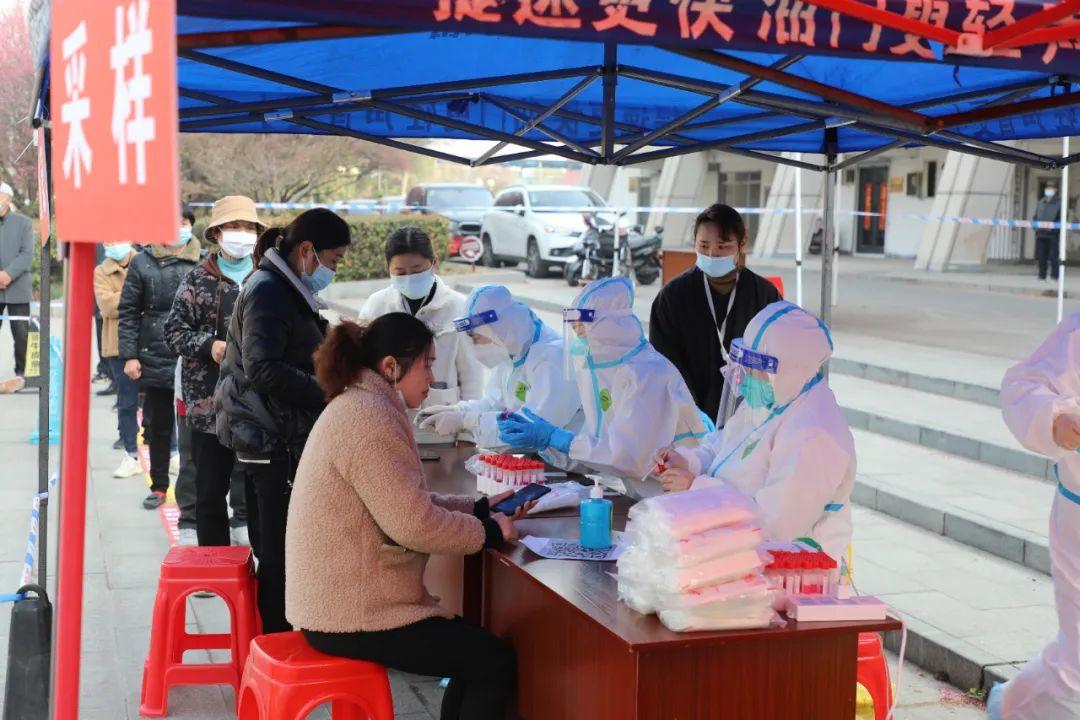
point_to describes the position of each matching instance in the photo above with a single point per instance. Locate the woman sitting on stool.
(362, 524)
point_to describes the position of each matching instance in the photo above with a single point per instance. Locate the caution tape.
(369, 209)
(32, 536)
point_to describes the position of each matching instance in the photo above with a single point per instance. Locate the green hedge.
(366, 259)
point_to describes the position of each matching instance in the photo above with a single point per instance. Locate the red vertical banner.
(114, 120)
(43, 186)
(115, 177)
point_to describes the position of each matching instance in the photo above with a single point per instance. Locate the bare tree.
(281, 168)
(18, 161)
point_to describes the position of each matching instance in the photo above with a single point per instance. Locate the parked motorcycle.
(602, 252)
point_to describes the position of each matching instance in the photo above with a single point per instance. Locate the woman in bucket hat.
(196, 330)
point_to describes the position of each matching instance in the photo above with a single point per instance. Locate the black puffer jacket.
(145, 302)
(200, 316)
(267, 399)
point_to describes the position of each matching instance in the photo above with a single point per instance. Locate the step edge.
(932, 384)
(1026, 549)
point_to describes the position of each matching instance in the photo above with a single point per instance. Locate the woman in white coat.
(417, 290)
(1040, 399)
(787, 445)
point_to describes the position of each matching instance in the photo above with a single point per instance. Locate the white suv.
(524, 224)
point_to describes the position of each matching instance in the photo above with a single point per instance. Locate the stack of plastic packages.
(691, 558)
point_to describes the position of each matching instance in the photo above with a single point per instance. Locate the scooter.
(602, 252)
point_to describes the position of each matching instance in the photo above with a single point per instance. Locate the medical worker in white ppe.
(526, 360)
(1040, 399)
(416, 289)
(787, 444)
(634, 400)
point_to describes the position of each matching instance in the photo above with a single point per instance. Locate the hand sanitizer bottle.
(596, 520)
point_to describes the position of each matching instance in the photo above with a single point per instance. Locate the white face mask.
(491, 355)
(1049, 192)
(238, 243)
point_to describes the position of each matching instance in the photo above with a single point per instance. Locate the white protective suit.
(635, 401)
(532, 373)
(1033, 394)
(796, 459)
(455, 364)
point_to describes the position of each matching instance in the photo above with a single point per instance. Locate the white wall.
(903, 233)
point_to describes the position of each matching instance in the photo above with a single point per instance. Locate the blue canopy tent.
(618, 82)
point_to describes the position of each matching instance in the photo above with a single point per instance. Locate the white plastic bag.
(563, 495)
(678, 515)
(690, 621)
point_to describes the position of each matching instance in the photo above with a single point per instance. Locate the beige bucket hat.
(232, 208)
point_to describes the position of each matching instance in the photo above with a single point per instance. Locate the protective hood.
(516, 325)
(615, 330)
(798, 340)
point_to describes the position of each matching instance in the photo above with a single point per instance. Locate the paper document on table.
(563, 549)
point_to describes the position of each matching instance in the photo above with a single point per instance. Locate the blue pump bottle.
(596, 520)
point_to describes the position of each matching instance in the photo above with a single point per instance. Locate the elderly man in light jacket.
(16, 254)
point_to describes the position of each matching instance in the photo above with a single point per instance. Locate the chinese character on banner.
(794, 22)
(548, 13)
(77, 154)
(618, 15)
(934, 12)
(978, 23)
(479, 10)
(114, 99)
(871, 45)
(1052, 48)
(130, 126)
(706, 15)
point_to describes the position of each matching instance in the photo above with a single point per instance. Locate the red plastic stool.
(873, 674)
(286, 679)
(229, 573)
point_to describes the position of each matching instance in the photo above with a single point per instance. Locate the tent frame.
(900, 124)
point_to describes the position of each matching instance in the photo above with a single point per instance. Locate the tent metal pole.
(798, 233)
(836, 240)
(1063, 232)
(828, 190)
(611, 78)
(518, 115)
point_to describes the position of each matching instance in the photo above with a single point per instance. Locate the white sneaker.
(239, 535)
(187, 536)
(174, 464)
(129, 467)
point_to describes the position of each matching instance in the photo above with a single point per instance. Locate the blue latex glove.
(533, 431)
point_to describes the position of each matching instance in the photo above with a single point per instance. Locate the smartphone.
(429, 455)
(526, 494)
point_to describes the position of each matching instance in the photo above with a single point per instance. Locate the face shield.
(755, 369)
(486, 346)
(576, 322)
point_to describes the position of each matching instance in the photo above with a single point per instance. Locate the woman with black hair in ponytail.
(363, 523)
(268, 399)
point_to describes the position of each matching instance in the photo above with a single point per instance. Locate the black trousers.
(481, 667)
(19, 329)
(159, 418)
(185, 481)
(213, 470)
(268, 493)
(102, 366)
(1046, 253)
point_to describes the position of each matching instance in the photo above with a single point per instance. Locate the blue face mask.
(757, 393)
(415, 286)
(118, 252)
(318, 280)
(183, 238)
(715, 266)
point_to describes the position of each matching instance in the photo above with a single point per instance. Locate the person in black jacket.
(719, 296)
(267, 398)
(196, 330)
(149, 288)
